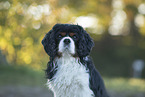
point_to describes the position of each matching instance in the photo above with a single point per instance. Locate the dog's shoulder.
(96, 81)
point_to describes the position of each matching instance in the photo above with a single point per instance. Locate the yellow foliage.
(142, 29)
(28, 41)
(8, 34)
(27, 59)
(22, 27)
(3, 43)
(24, 57)
(17, 41)
(0, 30)
(10, 49)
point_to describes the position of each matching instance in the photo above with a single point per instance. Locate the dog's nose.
(67, 41)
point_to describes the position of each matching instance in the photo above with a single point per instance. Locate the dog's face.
(67, 39)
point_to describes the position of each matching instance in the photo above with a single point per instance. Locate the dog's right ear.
(85, 43)
(49, 44)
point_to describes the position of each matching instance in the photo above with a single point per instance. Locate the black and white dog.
(70, 71)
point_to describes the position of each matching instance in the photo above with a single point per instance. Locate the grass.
(125, 84)
(20, 75)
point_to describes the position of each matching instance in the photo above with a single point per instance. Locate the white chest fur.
(71, 79)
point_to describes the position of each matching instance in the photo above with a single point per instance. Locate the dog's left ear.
(85, 43)
(49, 44)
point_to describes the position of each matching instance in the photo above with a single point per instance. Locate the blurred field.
(18, 81)
(124, 87)
(116, 26)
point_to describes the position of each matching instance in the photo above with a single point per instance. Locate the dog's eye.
(74, 37)
(59, 36)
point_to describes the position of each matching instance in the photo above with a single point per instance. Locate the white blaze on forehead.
(63, 48)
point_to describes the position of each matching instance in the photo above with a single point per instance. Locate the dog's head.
(67, 39)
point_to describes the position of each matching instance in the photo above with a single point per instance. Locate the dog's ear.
(85, 43)
(49, 44)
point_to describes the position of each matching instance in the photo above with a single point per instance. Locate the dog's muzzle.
(67, 45)
(67, 41)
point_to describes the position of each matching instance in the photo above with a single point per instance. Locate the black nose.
(67, 41)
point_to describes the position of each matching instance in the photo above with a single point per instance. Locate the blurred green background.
(116, 26)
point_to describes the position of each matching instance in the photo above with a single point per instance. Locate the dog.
(70, 71)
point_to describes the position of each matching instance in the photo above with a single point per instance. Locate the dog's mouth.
(66, 52)
(66, 49)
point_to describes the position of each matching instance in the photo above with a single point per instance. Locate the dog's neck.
(66, 55)
(71, 78)
(66, 59)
